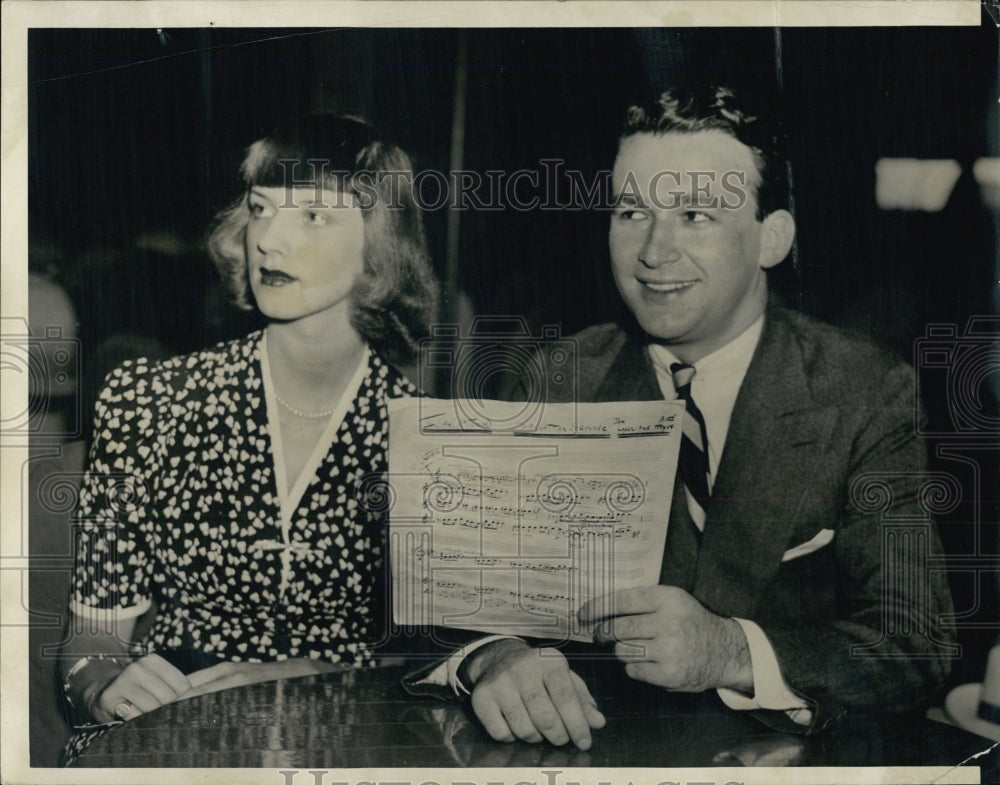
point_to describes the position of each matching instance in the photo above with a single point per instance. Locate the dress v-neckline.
(290, 498)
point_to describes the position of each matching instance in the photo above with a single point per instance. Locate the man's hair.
(395, 298)
(718, 108)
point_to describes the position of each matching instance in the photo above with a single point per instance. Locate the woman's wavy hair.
(688, 109)
(395, 298)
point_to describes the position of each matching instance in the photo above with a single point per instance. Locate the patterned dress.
(185, 503)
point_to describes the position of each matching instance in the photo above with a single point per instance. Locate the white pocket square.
(824, 537)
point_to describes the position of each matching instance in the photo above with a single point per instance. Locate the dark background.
(135, 132)
(136, 135)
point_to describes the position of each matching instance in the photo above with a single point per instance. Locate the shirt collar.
(728, 363)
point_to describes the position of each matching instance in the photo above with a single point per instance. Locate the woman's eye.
(258, 209)
(316, 219)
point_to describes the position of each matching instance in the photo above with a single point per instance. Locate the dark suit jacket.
(822, 436)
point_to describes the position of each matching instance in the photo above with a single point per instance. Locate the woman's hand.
(236, 674)
(146, 684)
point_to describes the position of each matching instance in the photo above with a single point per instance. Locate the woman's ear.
(777, 235)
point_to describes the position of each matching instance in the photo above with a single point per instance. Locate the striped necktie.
(693, 461)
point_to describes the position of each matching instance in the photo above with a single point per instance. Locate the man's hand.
(667, 638)
(529, 694)
(146, 684)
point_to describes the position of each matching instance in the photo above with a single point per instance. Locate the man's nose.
(660, 246)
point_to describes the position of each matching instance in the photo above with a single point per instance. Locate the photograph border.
(18, 16)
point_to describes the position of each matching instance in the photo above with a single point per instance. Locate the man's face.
(686, 246)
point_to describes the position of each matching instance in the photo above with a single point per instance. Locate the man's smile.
(668, 286)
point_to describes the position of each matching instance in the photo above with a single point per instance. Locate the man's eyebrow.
(696, 199)
(686, 199)
(626, 200)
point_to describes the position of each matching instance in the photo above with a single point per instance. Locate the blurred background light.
(915, 184)
(987, 174)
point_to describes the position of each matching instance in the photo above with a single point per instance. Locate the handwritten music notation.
(512, 530)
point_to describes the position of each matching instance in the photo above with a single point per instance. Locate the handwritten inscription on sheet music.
(510, 530)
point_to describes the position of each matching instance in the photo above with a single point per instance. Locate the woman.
(223, 491)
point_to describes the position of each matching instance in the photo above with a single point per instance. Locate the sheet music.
(506, 520)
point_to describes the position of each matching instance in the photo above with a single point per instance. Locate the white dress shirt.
(716, 383)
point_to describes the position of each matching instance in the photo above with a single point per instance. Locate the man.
(773, 568)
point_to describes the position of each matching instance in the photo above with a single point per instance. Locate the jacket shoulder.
(567, 368)
(836, 360)
(598, 341)
(595, 350)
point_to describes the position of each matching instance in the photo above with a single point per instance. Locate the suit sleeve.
(886, 648)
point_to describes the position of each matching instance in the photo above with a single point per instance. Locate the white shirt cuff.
(771, 691)
(446, 674)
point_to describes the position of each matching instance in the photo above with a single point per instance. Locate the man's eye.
(695, 216)
(630, 214)
(313, 218)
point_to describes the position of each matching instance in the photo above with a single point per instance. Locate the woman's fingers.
(223, 682)
(170, 675)
(235, 674)
(123, 701)
(136, 702)
(206, 675)
(160, 679)
(143, 686)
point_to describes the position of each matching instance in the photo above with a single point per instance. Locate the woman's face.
(304, 250)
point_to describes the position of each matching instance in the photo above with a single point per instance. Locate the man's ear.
(776, 237)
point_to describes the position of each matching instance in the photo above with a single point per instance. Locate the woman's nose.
(660, 246)
(273, 237)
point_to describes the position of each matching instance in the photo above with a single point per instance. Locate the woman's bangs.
(321, 150)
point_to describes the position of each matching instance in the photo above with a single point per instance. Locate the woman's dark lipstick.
(274, 277)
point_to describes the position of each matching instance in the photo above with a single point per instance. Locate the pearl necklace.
(300, 413)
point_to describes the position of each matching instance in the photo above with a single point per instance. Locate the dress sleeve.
(112, 572)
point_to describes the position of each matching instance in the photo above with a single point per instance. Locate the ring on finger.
(124, 709)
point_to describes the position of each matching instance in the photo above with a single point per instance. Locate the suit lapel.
(631, 377)
(775, 436)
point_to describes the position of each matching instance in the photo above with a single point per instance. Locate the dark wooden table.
(364, 719)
